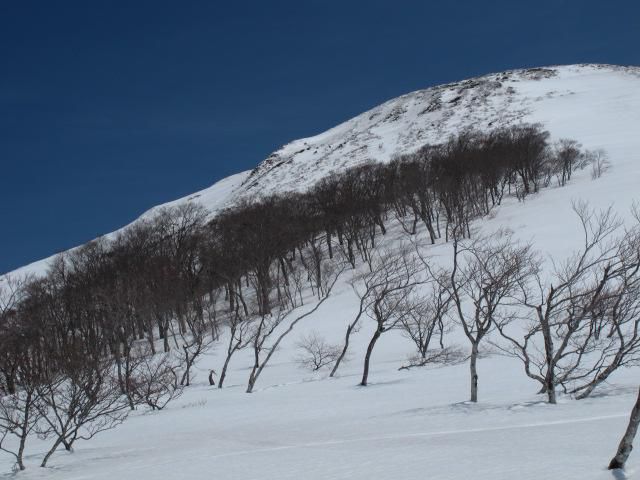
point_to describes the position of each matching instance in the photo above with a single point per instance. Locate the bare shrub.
(600, 164)
(316, 353)
(155, 381)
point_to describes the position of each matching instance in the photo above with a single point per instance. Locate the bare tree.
(196, 340)
(485, 275)
(615, 320)
(12, 291)
(568, 156)
(427, 318)
(81, 400)
(21, 410)
(385, 293)
(583, 324)
(155, 380)
(600, 164)
(21, 361)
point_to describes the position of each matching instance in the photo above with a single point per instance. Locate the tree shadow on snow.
(618, 474)
(613, 390)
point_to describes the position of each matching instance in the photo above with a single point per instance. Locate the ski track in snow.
(186, 458)
(400, 436)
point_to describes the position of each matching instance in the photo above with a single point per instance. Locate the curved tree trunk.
(626, 444)
(55, 446)
(345, 348)
(223, 374)
(367, 358)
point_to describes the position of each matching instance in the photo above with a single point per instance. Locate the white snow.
(407, 424)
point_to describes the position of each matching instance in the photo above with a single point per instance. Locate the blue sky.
(108, 108)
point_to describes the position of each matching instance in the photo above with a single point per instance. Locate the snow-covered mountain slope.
(594, 104)
(552, 96)
(407, 424)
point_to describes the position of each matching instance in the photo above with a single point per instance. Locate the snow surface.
(407, 424)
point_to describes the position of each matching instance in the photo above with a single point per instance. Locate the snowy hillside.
(408, 424)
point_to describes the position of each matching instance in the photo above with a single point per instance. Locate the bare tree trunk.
(347, 337)
(549, 378)
(346, 346)
(600, 378)
(151, 340)
(186, 376)
(23, 436)
(474, 372)
(626, 444)
(68, 446)
(223, 374)
(253, 377)
(20, 455)
(329, 245)
(550, 387)
(127, 382)
(367, 358)
(51, 451)
(166, 338)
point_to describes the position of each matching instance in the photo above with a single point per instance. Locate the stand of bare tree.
(119, 324)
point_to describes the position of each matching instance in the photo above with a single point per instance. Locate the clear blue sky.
(108, 108)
